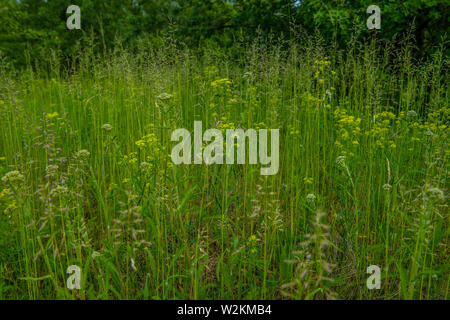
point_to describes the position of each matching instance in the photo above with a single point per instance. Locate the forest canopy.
(30, 27)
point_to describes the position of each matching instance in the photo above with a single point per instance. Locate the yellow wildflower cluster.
(252, 244)
(321, 63)
(293, 130)
(383, 126)
(150, 151)
(147, 140)
(349, 132)
(55, 119)
(5, 193)
(11, 206)
(223, 99)
(437, 121)
(52, 115)
(229, 102)
(7, 200)
(322, 70)
(221, 86)
(312, 99)
(131, 158)
(260, 125)
(440, 115)
(223, 125)
(224, 82)
(435, 127)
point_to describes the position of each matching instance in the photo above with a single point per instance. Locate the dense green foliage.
(87, 179)
(32, 26)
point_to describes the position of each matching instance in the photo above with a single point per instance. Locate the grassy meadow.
(87, 178)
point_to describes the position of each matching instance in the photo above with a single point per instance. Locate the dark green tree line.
(33, 25)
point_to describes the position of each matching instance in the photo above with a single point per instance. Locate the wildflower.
(412, 113)
(144, 165)
(311, 198)
(387, 187)
(436, 193)
(2, 159)
(12, 177)
(150, 138)
(252, 243)
(52, 115)
(82, 155)
(11, 206)
(140, 143)
(96, 254)
(344, 134)
(107, 127)
(307, 180)
(221, 82)
(341, 161)
(4, 193)
(164, 96)
(294, 132)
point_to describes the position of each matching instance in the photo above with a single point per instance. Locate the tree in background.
(34, 26)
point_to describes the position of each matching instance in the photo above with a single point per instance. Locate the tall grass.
(88, 179)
